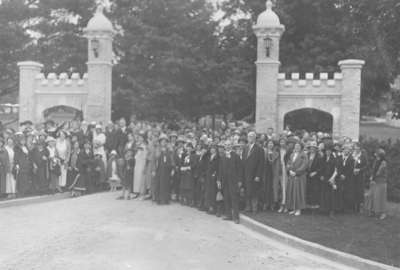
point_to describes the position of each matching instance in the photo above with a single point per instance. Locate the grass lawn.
(379, 131)
(363, 236)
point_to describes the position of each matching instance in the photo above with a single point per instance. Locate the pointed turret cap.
(268, 18)
(99, 22)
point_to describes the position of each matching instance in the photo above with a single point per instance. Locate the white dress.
(98, 146)
(139, 173)
(62, 151)
(10, 180)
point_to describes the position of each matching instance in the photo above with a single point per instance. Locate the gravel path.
(98, 232)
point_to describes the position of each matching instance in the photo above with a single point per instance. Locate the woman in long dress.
(139, 175)
(271, 176)
(378, 197)
(187, 179)
(54, 165)
(24, 167)
(63, 149)
(11, 184)
(283, 158)
(99, 140)
(4, 167)
(211, 180)
(315, 159)
(360, 168)
(40, 156)
(150, 166)
(164, 171)
(296, 189)
(73, 164)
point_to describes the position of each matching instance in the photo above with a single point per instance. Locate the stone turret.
(99, 33)
(268, 31)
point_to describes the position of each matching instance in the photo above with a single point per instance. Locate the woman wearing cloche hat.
(315, 159)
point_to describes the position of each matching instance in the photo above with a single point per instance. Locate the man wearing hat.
(329, 196)
(111, 138)
(121, 136)
(231, 182)
(346, 183)
(253, 160)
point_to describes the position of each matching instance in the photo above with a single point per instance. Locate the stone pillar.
(268, 31)
(267, 95)
(351, 93)
(99, 33)
(27, 76)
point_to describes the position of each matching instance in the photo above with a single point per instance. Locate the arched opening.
(309, 119)
(62, 113)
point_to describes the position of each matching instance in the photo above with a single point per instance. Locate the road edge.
(34, 200)
(313, 248)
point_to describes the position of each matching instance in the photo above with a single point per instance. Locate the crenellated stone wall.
(337, 94)
(278, 94)
(39, 92)
(89, 93)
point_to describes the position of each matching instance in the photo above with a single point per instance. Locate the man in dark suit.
(346, 184)
(253, 159)
(121, 136)
(229, 175)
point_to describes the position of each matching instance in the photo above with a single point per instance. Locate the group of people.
(221, 172)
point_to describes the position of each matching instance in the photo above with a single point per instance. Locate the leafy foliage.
(175, 60)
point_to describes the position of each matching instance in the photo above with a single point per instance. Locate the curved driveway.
(98, 232)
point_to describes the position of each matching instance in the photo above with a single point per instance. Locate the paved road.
(98, 232)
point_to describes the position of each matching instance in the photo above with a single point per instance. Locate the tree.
(320, 33)
(166, 64)
(13, 40)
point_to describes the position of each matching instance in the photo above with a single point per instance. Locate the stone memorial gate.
(59, 96)
(278, 98)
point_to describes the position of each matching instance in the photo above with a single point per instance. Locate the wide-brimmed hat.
(221, 145)
(181, 139)
(329, 146)
(50, 139)
(347, 146)
(163, 137)
(381, 153)
(113, 153)
(312, 144)
(189, 144)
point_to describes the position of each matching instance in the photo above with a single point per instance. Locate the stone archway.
(309, 119)
(62, 113)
